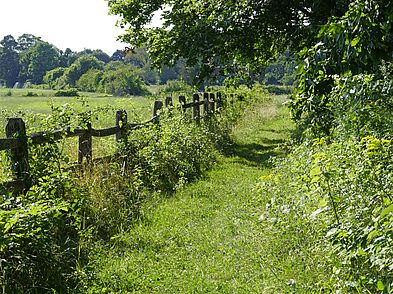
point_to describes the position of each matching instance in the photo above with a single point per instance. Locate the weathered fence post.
(212, 102)
(196, 113)
(157, 106)
(16, 128)
(205, 104)
(182, 100)
(219, 101)
(121, 122)
(85, 145)
(168, 101)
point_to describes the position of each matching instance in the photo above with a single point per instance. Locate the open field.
(26, 103)
(42, 111)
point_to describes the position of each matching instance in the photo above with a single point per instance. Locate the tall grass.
(66, 213)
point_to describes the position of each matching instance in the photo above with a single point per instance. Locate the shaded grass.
(206, 238)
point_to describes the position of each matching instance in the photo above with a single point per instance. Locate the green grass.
(207, 238)
(19, 104)
(34, 109)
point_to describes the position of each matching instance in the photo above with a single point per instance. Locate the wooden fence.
(203, 105)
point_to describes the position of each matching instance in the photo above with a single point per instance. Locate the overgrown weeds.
(330, 200)
(48, 232)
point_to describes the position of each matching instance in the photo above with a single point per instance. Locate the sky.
(74, 24)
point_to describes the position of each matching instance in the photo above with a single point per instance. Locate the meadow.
(28, 102)
(41, 110)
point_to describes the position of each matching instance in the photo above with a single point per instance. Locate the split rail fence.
(203, 105)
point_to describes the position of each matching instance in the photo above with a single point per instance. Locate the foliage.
(175, 86)
(37, 60)
(41, 230)
(90, 80)
(122, 80)
(363, 104)
(355, 43)
(168, 155)
(336, 198)
(52, 76)
(26, 41)
(73, 73)
(67, 93)
(280, 71)
(225, 36)
(9, 61)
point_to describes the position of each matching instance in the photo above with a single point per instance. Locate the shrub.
(333, 203)
(122, 81)
(67, 93)
(171, 153)
(31, 94)
(90, 80)
(175, 86)
(39, 243)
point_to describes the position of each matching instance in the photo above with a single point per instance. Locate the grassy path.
(207, 238)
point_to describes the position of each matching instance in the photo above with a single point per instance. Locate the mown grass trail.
(206, 238)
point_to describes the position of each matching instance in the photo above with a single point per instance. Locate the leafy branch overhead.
(230, 33)
(328, 37)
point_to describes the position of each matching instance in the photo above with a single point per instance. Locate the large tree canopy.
(235, 34)
(329, 37)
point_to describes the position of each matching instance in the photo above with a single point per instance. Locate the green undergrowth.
(207, 237)
(50, 235)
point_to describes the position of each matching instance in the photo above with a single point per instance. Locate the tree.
(37, 60)
(358, 42)
(67, 57)
(224, 35)
(99, 54)
(26, 41)
(122, 80)
(118, 55)
(9, 61)
(329, 37)
(52, 77)
(90, 80)
(79, 67)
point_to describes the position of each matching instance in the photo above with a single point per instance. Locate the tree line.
(30, 60)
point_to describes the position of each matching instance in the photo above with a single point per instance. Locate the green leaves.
(386, 211)
(224, 35)
(349, 180)
(354, 43)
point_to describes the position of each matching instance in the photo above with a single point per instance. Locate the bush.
(171, 153)
(363, 104)
(122, 81)
(333, 203)
(175, 86)
(67, 93)
(31, 94)
(41, 231)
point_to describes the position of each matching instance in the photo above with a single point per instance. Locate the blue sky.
(77, 24)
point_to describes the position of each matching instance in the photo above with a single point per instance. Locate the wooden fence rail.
(17, 140)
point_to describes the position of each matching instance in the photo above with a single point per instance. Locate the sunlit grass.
(19, 105)
(36, 109)
(206, 238)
